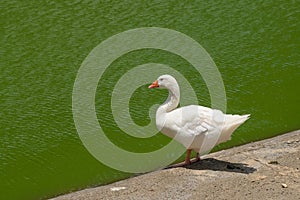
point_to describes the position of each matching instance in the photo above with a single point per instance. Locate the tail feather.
(237, 119)
(232, 122)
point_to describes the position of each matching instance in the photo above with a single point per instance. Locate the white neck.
(170, 104)
(172, 101)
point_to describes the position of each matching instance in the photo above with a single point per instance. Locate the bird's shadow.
(219, 165)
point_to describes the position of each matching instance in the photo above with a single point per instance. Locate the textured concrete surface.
(268, 169)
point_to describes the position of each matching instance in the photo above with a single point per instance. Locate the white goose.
(198, 128)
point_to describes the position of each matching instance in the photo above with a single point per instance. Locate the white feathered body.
(198, 127)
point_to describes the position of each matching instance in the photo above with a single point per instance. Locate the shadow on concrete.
(217, 165)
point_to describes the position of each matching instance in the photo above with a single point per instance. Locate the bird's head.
(164, 82)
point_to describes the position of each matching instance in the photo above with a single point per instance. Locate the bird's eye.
(161, 79)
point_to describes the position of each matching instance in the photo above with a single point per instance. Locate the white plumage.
(198, 128)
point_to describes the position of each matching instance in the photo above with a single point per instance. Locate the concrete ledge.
(268, 169)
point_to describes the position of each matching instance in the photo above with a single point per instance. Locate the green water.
(255, 45)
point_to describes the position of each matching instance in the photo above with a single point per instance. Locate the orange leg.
(197, 157)
(188, 157)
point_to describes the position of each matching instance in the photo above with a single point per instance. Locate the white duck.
(198, 128)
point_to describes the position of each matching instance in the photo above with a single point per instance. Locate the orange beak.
(154, 84)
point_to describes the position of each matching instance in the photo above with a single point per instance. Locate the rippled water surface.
(255, 45)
